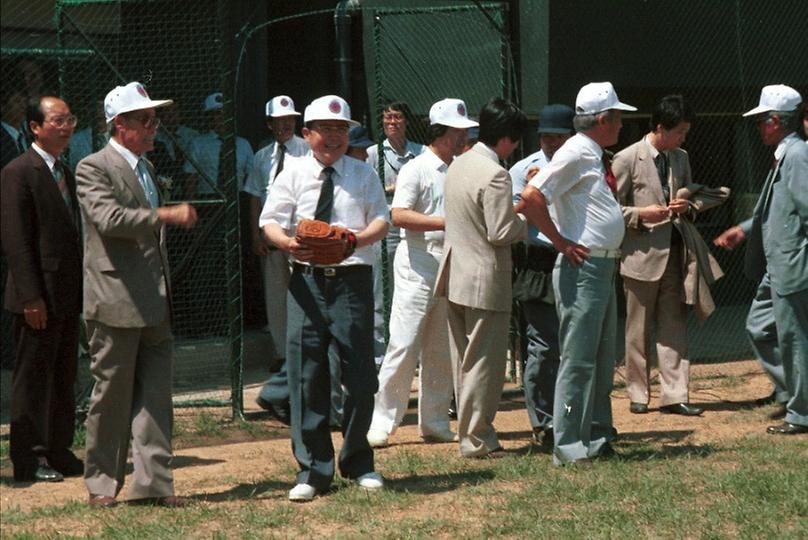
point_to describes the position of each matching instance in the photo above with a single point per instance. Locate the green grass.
(755, 487)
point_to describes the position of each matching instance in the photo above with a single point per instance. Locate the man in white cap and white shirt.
(205, 151)
(268, 162)
(578, 183)
(760, 321)
(329, 303)
(418, 327)
(777, 248)
(126, 306)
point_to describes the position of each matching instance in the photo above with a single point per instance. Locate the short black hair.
(670, 111)
(399, 106)
(33, 110)
(500, 118)
(436, 131)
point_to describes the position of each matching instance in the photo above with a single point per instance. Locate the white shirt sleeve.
(281, 202)
(408, 188)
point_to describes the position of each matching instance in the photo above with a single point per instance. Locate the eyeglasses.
(340, 130)
(62, 121)
(146, 121)
(393, 117)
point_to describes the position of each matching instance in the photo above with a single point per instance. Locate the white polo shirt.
(420, 188)
(586, 211)
(265, 163)
(358, 198)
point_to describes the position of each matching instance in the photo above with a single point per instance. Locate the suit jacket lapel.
(649, 170)
(127, 175)
(52, 189)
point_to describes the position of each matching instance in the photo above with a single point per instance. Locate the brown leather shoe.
(171, 501)
(102, 501)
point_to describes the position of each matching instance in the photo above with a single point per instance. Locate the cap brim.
(757, 110)
(352, 123)
(293, 113)
(623, 107)
(459, 124)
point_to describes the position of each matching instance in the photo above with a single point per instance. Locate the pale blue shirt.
(420, 188)
(574, 184)
(204, 150)
(519, 179)
(358, 198)
(393, 161)
(141, 172)
(265, 163)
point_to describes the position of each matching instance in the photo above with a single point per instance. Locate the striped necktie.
(326, 201)
(61, 183)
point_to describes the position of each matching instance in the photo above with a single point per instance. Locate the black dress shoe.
(278, 413)
(453, 409)
(787, 428)
(638, 408)
(66, 463)
(778, 413)
(681, 408)
(607, 451)
(44, 473)
(543, 437)
(768, 400)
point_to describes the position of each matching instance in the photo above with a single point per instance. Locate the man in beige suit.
(126, 306)
(649, 173)
(475, 273)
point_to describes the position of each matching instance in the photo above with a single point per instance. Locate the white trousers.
(418, 334)
(275, 271)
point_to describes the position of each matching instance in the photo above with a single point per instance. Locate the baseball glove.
(331, 244)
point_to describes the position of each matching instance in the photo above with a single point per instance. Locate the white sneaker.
(440, 436)
(371, 481)
(377, 438)
(302, 493)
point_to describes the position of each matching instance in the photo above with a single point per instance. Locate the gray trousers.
(542, 358)
(587, 312)
(762, 332)
(791, 312)
(323, 310)
(132, 368)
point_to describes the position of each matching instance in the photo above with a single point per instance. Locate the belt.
(331, 271)
(605, 253)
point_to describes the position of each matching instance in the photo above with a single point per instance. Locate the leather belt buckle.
(329, 271)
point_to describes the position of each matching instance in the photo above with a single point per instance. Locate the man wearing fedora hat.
(533, 287)
(127, 306)
(329, 304)
(418, 331)
(588, 230)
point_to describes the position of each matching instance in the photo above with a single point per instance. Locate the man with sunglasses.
(127, 307)
(40, 236)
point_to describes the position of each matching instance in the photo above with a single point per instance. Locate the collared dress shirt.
(519, 180)
(265, 164)
(142, 174)
(393, 161)
(205, 148)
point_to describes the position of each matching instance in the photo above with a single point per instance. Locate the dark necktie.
(21, 142)
(326, 201)
(662, 168)
(611, 181)
(61, 183)
(281, 155)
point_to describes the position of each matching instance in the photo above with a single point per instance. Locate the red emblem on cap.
(335, 107)
(142, 91)
(284, 102)
(461, 109)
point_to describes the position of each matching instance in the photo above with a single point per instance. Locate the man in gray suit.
(580, 188)
(778, 243)
(475, 274)
(127, 307)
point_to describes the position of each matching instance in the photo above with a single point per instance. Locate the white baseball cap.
(132, 97)
(281, 106)
(213, 102)
(329, 108)
(598, 97)
(451, 112)
(776, 97)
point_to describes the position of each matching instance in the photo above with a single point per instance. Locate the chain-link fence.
(718, 54)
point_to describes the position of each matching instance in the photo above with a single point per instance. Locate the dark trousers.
(43, 409)
(323, 309)
(542, 358)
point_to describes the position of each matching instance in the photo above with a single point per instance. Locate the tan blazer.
(646, 247)
(480, 227)
(125, 260)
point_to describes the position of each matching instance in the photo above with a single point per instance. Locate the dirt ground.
(211, 468)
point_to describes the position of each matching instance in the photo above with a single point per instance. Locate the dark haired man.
(578, 183)
(475, 274)
(40, 235)
(417, 319)
(649, 173)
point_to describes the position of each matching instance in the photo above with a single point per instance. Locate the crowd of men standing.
(577, 216)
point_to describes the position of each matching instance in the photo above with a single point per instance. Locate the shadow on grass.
(675, 435)
(730, 405)
(439, 483)
(667, 452)
(269, 489)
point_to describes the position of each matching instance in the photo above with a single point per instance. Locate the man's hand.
(182, 215)
(575, 253)
(299, 251)
(730, 238)
(654, 213)
(36, 314)
(531, 172)
(259, 245)
(678, 206)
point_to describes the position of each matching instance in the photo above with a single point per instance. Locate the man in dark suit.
(126, 306)
(40, 237)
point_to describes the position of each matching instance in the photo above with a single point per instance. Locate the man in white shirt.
(588, 232)
(332, 303)
(418, 327)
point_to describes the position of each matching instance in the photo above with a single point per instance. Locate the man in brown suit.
(126, 306)
(40, 237)
(475, 273)
(649, 173)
